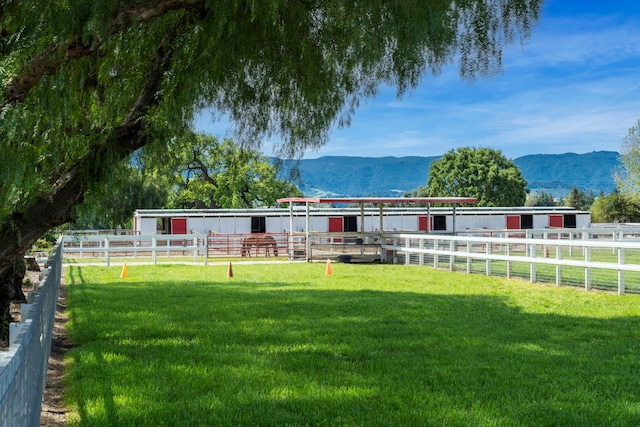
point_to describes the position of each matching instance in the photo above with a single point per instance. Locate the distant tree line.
(576, 198)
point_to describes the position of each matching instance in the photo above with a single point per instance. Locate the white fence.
(105, 247)
(561, 257)
(23, 367)
(596, 258)
(196, 247)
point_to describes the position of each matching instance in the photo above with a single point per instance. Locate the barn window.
(570, 221)
(258, 224)
(350, 223)
(526, 221)
(439, 222)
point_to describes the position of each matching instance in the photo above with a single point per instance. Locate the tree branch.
(51, 59)
(199, 164)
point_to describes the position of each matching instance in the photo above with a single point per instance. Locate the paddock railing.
(198, 248)
(23, 368)
(563, 257)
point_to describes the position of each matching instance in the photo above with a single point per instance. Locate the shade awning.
(378, 200)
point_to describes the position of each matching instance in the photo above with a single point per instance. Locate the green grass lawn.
(369, 345)
(171, 259)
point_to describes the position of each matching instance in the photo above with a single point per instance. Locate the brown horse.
(259, 241)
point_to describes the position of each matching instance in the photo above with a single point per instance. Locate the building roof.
(379, 200)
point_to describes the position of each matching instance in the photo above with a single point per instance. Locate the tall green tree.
(542, 199)
(213, 174)
(85, 84)
(482, 173)
(574, 198)
(579, 199)
(615, 207)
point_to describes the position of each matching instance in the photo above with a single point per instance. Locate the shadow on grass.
(217, 353)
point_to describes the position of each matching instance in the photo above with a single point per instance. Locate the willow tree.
(85, 83)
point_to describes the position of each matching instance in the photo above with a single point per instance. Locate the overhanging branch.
(52, 58)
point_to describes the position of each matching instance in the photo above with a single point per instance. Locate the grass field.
(369, 345)
(168, 260)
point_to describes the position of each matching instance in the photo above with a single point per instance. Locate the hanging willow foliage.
(87, 83)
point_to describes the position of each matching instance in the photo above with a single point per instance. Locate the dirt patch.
(54, 413)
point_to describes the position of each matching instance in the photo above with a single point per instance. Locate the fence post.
(488, 261)
(621, 289)
(436, 247)
(469, 260)
(195, 248)
(407, 253)
(154, 249)
(452, 258)
(106, 251)
(532, 266)
(421, 255)
(509, 265)
(136, 243)
(587, 270)
(571, 245)
(558, 266)
(206, 249)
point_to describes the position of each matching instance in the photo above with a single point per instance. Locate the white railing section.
(606, 233)
(587, 255)
(23, 367)
(105, 247)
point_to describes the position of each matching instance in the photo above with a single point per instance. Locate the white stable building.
(372, 214)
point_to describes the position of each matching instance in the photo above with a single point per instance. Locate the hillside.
(558, 173)
(393, 176)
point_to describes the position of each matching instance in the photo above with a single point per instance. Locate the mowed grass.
(170, 260)
(369, 345)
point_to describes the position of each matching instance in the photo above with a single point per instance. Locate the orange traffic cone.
(230, 270)
(328, 271)
(124, 271)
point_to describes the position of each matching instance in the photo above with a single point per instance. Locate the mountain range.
(343, 176)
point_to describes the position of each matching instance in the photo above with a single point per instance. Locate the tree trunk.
(54, 208)
(10, 290)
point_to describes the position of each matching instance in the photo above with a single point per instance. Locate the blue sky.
(572, 87)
